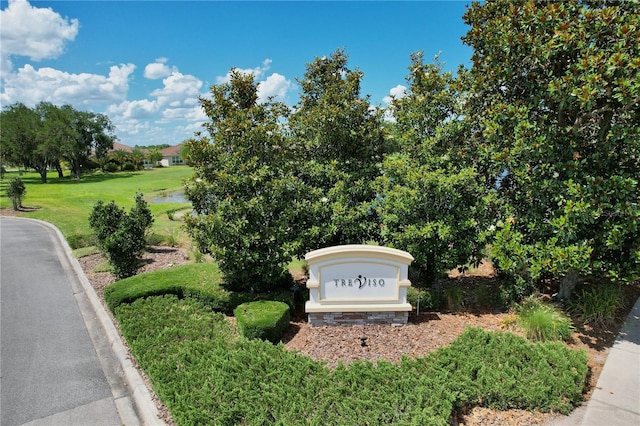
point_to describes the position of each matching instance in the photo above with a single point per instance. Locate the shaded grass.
(85, 251)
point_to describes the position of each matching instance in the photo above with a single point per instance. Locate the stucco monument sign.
(358, 285)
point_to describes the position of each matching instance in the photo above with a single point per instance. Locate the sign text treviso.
(361, 281)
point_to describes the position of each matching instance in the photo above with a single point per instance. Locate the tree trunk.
(43, 174)
(567, 285)
(59, 170)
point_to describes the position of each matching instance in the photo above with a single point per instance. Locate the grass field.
(67, 202)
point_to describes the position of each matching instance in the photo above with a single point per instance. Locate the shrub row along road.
(51, 372)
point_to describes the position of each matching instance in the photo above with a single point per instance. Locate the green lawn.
(67, 202)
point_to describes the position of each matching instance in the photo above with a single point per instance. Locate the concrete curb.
(145, 407)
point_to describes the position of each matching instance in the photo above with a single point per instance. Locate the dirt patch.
(157, 258)
(8, 211)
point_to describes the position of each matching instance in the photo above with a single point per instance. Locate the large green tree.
(92, 134)
(243, 190)
(42, 136)
(18, 132)
(340, 142)
(554, 98)
(431, 202)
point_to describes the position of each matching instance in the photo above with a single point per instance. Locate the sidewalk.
(616, 399)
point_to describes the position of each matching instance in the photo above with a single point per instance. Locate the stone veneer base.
(317, 319)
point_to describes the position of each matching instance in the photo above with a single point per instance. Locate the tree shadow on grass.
(87, 178)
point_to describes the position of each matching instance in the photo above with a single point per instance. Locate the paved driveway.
(51, 371)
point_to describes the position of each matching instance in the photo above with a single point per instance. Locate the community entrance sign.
(358, 284)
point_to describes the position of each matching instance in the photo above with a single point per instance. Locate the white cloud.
(397, 92)
(31, 86)
(169, 116)
(179, 113)
(141, 109)
(178, 87)
(158, 69)
(37, 33)
(275, 85)
(257, 72)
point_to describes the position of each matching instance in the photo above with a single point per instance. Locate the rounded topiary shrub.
(264, 319)
(110, 167)
(128, 166)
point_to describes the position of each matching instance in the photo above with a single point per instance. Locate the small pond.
(170, 197)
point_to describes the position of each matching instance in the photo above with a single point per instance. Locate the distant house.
(118, 146)
(171, 156)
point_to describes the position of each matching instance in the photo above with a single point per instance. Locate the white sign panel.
(358, 278)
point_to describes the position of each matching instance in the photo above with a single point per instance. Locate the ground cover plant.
(67, 202)
(206, 374)
(199, 281)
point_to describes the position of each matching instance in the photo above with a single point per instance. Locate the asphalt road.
(51, 371)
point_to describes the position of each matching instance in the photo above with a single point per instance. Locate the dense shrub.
(266, 320)
(242, 190)
(557, 142)
(110, 167)
(121, 235)
(16, 192)
(141, 213)
(264, 193)
(128, 166)
(200, 281)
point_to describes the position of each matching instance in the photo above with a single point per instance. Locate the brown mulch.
(157, 258)
(8, 211)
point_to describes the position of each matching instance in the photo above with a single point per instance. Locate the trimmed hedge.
(199, 281)
(264, 319)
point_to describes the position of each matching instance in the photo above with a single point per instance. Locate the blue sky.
(145, 63)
